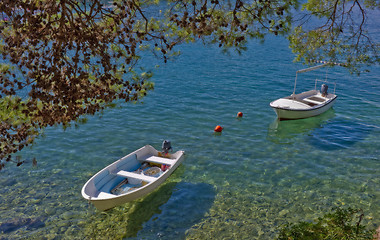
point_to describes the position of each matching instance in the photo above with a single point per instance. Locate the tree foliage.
(72, 58)
(338, 31)
(63, 59)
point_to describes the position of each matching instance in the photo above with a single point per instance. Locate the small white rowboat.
(305, 104)
(130, 177)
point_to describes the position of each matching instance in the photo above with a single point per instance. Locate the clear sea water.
(244, 183)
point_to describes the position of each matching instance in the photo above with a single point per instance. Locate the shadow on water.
(168, 211)
(187, 206)
(339, 133)
(141, 211)
(284, 132)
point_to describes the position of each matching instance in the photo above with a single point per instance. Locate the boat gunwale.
(306, 109)
(178, 156)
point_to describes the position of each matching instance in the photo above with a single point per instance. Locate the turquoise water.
(241, 184)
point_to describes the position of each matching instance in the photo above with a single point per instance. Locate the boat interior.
(128, 174)
(311, 98)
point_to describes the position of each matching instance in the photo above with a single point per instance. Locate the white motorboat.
(306, 104)
(131, 177)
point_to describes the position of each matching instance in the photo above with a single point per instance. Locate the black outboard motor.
(166, 146)
(324, 90)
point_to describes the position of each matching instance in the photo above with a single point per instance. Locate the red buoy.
(218, 129)
(239, 114)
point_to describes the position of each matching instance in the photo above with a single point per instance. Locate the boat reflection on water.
(127, 219)
(284, 132)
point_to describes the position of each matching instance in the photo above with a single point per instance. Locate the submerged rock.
(17, 223)
(377, 235)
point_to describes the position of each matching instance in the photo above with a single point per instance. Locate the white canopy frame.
(314, 68)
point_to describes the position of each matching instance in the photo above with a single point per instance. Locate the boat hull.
(97, 189)
(288, 113)
(105, 204)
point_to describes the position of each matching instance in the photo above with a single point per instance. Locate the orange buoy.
(218, 129)
(239, 114)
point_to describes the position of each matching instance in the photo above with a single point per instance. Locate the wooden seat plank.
(159, 160)
(312, 102)
(136, 176)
